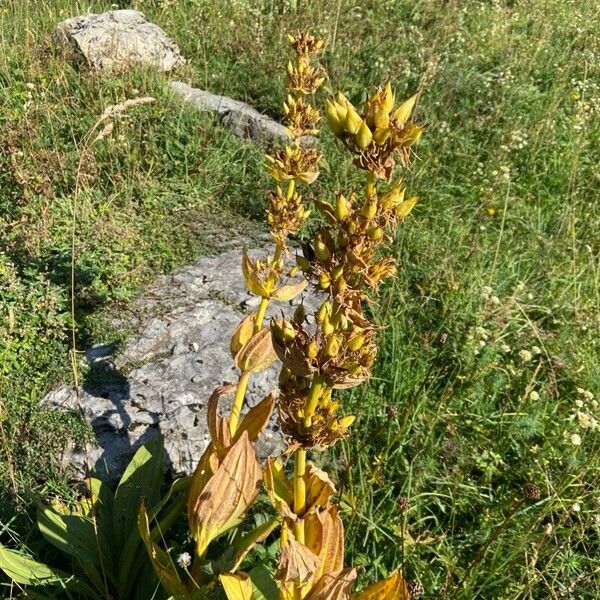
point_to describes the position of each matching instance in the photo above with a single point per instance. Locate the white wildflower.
(576, 439)
(184, 560)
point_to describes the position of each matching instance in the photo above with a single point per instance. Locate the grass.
(465, 466)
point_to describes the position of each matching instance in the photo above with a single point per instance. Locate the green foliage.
(507, 180)
(99, 533)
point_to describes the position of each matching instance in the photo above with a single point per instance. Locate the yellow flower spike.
(345, 422)
(342, 208)
(381, 136)
(364, 136)
(402, 113)
(352, 122)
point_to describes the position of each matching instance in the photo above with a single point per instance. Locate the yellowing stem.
(300, 458)
(236, 409)
(260, 315)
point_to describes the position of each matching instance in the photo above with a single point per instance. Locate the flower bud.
(402, 113)
(312, 349)
(381, 136)
(364, 136)
(333, 119)
(283, 331)
(326, 326)
(393, 197)
(321, 249)
(375, 233)
(353, 121)
(345, 422)
(337, 272)
(299, 314)
(324, 311)
(369, 210)
(342, 208)
(324, 280)
(303, 263)
(356, 342)
(332, 346)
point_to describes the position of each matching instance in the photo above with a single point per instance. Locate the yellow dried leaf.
(161, 561)
(242, 334)
(257, 354)
(333, 586)
(296, 561)
(226, 496)
(319, 488)
(287, 292)
(251, 278)
(279, 488)
(256, 419)
(392, 588)
(237, 587)
(219, 426)
(324, 533)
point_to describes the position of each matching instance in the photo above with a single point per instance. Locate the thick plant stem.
(300, 457)
(236, 409)
(299, 492)
(260, 315)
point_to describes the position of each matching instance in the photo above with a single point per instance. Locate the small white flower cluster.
(585, 408)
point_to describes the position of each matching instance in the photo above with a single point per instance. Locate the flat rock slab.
(116, 40)
(159, 382)
(243, 120)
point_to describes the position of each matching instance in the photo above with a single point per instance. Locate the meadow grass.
(474, 464)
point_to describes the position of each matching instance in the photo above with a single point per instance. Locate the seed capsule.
(312, 349)
(345, 422)
(321, 250)
(332, 346)
(375, 233)
(341, 208)
(324, 281)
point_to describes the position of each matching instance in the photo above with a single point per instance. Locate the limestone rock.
(114, 40)
(159, 382)
(241, 118)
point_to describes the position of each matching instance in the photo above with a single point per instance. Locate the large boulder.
(115, 40)
(159, 382)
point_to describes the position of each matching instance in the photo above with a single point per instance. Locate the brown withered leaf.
(319, 488)
(256, 419)
(279, 488)
(257, 354)
(161, 561)
(237, 587)
(206, 467)
(293, 358)
(296, 561)
(288, 292)
(333, 586)
(243, 332)
(251, 278)
(226, 496)
(392, 588)
(219, 426)
(324, 533)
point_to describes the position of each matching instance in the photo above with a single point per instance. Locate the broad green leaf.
(235, 553)
(74, 535)
(264, 584)
(26, 571)
(161, 561)
(132, 560)
(140, 481)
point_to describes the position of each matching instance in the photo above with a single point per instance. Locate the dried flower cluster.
(322, 353)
